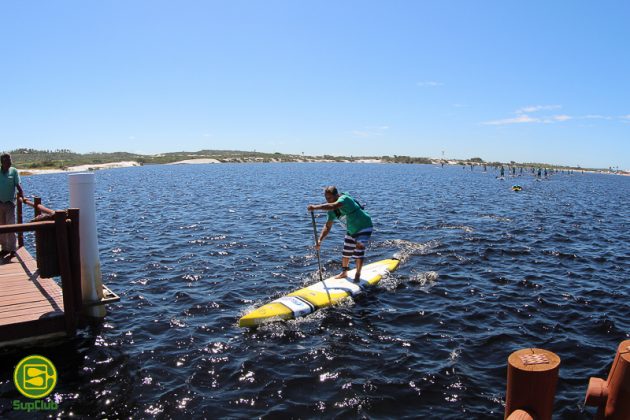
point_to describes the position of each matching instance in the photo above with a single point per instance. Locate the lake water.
(485, 271)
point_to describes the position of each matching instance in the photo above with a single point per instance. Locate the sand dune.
(80, 168)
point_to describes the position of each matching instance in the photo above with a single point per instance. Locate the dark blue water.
(485, 271)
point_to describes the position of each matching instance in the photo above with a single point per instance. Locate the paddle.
(319, 261)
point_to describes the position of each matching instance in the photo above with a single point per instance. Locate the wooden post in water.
(531, 384)
(612, 396)
(61, 233)
(520, 415)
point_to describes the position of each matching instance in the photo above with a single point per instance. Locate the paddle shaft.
(319, 261)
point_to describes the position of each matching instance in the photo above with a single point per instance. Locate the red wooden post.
(61, 232)
(613, 395)
(531, 383)
(520, 415)
(75, 257)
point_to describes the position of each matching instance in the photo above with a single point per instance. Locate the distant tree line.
(406, 159)
(25, 158)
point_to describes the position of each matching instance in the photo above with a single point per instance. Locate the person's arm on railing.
(37, 205)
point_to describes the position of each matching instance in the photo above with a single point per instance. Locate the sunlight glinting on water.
(484, 271)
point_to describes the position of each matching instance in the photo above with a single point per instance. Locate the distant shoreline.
(32, 161)
(212, 161)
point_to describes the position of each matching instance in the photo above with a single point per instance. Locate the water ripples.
(484, 271)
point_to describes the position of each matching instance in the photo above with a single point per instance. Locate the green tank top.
(356, 219)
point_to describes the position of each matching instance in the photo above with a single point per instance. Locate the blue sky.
(544, 81)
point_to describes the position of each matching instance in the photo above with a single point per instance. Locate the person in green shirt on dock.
(358, 223)
(9, 182)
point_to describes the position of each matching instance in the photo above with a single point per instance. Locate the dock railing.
(57, 250)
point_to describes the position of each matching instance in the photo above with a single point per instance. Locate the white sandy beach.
(80, 168)
(194, 162)
(368, 161)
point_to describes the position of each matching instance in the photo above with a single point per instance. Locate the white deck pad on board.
(345, 285)
(298, 306)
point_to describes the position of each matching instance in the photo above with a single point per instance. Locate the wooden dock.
(40, 297)
(29, 304)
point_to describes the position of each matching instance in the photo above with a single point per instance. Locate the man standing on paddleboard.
(358, 223)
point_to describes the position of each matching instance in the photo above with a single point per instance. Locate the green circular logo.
(35, 376)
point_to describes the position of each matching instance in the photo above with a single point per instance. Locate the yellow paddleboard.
(307, 300)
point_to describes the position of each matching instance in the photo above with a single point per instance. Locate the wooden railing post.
(36, 202)
(20, 235)
(531, 384)
(75, 257)
(612, 396)
(61, 233)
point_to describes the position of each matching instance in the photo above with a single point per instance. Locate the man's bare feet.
(357, 278)
(343, 275)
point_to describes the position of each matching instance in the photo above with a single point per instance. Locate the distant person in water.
(358, 223)
(9, 183)
(502, 170)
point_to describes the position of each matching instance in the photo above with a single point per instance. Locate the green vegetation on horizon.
(64, 158)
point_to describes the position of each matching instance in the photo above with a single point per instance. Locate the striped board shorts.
(350, 244)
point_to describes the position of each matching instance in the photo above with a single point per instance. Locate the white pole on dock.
(82, 188)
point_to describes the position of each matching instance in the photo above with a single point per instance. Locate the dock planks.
(29, 305)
